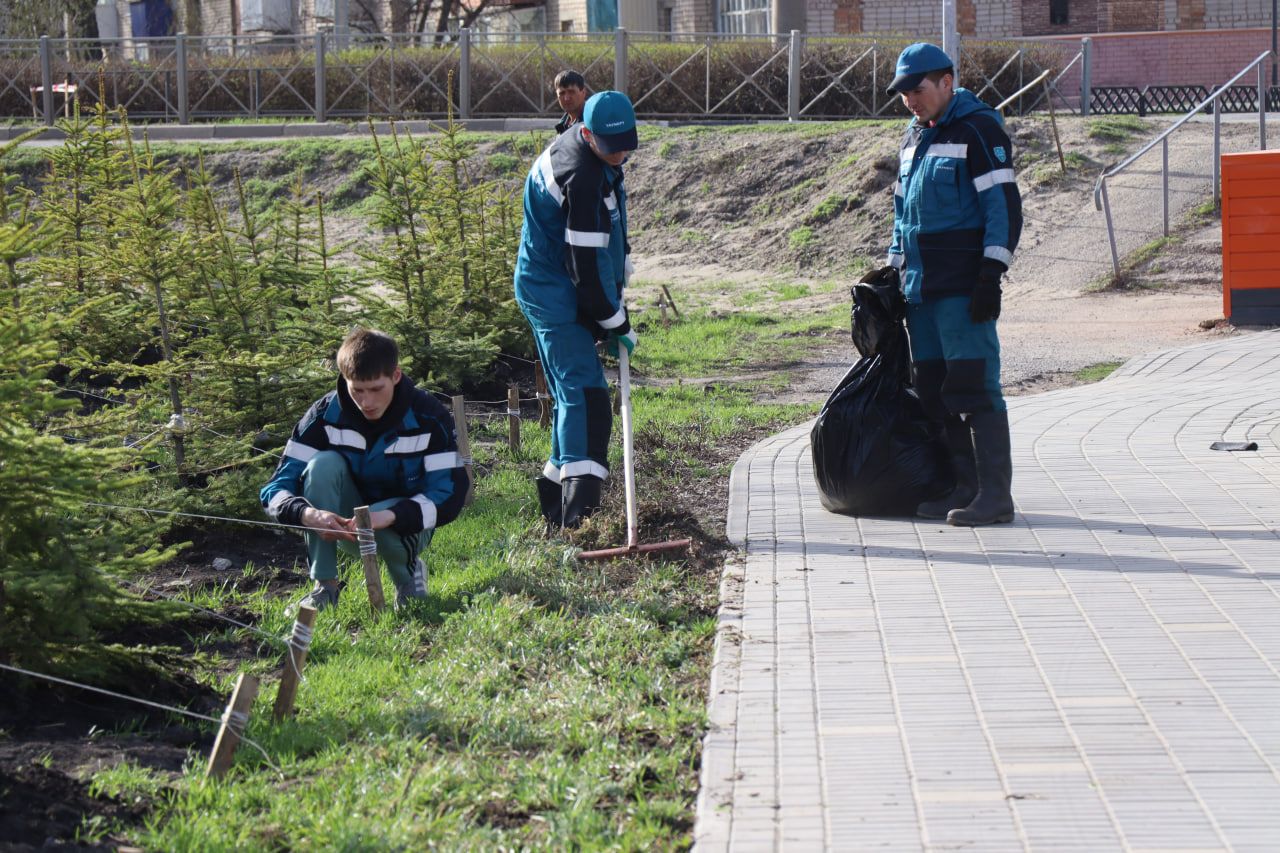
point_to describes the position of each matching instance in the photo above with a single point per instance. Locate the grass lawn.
(531, 701)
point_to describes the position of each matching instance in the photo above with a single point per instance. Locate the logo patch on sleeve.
(1000, 153)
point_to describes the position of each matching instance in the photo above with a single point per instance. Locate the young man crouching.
(375, 440)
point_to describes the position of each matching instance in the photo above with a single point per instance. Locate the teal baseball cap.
(612, 121)
(915, 62)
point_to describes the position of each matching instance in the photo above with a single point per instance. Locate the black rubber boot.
(994, 503)
(961, 446)
(580, 498)
(549, 497)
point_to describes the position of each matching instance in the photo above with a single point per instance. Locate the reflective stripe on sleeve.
(298, 450)
(990, 179)
(998, 253)
(428, 511)
(619, 317)
(586, 238)
(441, 461)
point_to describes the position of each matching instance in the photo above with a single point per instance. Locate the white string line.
(286, 640)
(87, 394)
(230, 717)
(133, 444)
(476, 414)
(146, 590)
(248, 441)
(151, 511)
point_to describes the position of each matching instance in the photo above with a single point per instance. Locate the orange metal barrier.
(1251, 238)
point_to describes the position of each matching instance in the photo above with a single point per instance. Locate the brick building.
(982, 18)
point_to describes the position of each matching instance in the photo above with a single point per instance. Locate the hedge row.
(711, 78)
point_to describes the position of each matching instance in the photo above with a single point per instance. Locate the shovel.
(633, 546)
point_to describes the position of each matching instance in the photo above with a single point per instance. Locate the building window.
(744, 16)
(1058, 11)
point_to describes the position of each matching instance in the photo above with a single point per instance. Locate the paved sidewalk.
(1100, 675)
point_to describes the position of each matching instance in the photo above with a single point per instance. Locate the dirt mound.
(816, 200)
(760, 199)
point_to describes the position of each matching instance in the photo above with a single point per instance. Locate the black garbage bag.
(877, 312)
(875, 451)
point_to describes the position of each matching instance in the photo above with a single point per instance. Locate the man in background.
(571, 93)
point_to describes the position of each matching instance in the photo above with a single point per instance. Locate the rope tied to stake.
(300, 640)
(229, 717)
(368, 545)
(236, 721)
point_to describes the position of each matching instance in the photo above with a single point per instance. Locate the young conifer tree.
(444, 304)
(76, 200)
(60, 565)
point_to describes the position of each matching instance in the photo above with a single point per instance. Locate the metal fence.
(668, 76)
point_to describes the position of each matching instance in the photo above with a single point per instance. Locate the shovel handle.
(628, 451)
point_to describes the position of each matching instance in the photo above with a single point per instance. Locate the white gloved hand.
(628, 270)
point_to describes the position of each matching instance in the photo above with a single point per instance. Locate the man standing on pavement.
(573, 264)
(571, 94)
(957, 219)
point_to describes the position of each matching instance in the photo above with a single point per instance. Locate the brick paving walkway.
(1103, 674)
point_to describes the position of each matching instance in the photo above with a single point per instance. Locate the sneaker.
(319, 598)
(417, 585)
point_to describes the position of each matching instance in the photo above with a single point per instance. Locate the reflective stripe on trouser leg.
(552, 469)
(327, 485)
(573, 368)
(397, 551)
(969, 381)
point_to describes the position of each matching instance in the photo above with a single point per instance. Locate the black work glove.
(984, 304)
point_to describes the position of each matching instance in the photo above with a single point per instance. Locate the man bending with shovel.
(572, 267)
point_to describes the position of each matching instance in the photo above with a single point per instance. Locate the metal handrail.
(1027, 88)
(1036, 82)
(1100, 199)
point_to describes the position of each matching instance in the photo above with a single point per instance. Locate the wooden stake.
(295, 659)
(233, 724)
(464, 445)
(513, 418)
(544, 399)
(369, 557)
(1053, 119)
(671, 302)
(617, 401)
(662, 308)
